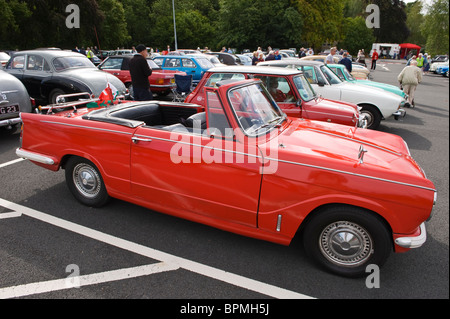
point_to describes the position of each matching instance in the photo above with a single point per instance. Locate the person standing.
(330, 57)
(409, 78)
(140, 71)
(374, 59)
(420, 61)
(255, 58)
(346, 61)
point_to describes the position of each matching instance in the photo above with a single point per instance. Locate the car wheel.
(346, 239)
(85, 182)
(372, 116)
(54, 94)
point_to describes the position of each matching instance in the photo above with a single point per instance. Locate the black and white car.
(47, 74)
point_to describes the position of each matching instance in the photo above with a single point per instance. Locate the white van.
(386, 50)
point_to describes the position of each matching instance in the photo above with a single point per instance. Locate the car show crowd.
(25, 66)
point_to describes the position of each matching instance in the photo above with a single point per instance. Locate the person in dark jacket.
(346, 61)
(140, 71)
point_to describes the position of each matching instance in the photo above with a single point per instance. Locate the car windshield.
(332, 78)
(72, 62)
(255, 109)
(153, 65)
(304, 88)
(348, 75)
(204, 63)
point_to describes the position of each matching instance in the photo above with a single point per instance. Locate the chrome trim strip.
(350, 173)
(329, 114)
(288, 162)
(279, 223)
(199, 145)
(34, 157)
(87, 127)
(413, 242)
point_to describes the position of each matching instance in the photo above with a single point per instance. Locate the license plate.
(9, 109)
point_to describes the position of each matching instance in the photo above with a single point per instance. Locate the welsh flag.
(107, 97)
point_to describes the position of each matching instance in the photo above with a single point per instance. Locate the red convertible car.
(161, 81)
(290, 89)
(241, 165)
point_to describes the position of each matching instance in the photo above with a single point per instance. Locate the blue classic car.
(442, 70)
(344, 75)
(195, 65)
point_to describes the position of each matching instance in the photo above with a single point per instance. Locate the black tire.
(373, 116)
(85, 182)
(346, 239)
(54, 94)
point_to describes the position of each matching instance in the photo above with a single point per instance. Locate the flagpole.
(174, 25)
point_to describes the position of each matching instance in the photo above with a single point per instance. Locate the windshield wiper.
(278, 120)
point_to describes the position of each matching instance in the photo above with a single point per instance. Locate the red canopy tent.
(405, 48)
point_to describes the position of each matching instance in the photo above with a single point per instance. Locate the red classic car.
(290, 89)
(241, 165)
(161, 81)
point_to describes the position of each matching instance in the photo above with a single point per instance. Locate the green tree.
(137, 16)
(322, 21)
(113, 31)
(436, 27)
(249, 24)
(414, 21)
(194, 23)
(12, 14)
(393, 28)
(356, 36)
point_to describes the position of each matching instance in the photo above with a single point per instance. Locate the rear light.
(160, 81)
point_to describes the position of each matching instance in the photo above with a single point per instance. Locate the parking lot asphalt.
(123, 251)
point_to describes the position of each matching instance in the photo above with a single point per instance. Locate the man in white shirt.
(330, 59)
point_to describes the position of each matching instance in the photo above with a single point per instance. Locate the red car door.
(190, 171)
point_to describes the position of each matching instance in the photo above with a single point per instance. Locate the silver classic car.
(49, 73)
(13, 99)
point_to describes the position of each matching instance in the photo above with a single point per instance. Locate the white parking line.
(85, 280)
(11, 162)
(171, 260)
(10, 215)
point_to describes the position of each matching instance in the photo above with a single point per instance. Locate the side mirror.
(299, 103)
(321, 82)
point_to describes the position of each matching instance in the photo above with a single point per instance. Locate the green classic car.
(344, 75)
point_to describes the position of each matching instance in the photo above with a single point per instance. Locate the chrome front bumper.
(413, 242)
(401, 113)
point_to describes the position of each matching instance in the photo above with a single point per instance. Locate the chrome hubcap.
(368, 117)
(346, 244)
(86, 180)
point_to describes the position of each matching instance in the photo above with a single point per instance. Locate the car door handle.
(138, 139)
(115, 73)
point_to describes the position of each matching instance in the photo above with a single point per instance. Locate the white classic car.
(376, 104)
(358, 70)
